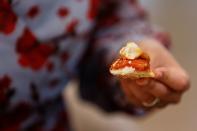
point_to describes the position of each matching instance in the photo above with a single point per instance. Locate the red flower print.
(63, 12)
(26, 42)
(72, 25)
(5, 83)
(33, 54)
(12, 121)
(7, 18)
(64, 57)
(164, 38)
(109, 21)
(33, 12)
(62, 122)
(140, 11)
(45, 49)
(33, 59)
(50, 66)
(23, 61)
(93, 9)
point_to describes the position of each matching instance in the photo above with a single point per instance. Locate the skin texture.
(169, 84)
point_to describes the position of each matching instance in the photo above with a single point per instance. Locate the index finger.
(174, 78)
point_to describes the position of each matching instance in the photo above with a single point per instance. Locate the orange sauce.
(139, 64)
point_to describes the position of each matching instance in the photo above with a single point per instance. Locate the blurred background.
(179, 18)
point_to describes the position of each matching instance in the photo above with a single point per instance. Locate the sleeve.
(124, 21)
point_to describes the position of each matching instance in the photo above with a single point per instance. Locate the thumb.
(174, 78)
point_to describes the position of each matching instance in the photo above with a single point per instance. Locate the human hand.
(170, 81)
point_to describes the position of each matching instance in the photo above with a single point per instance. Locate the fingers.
(136, 95)
(176, 79)
(146, 90)
(130, 97)
(163, 92)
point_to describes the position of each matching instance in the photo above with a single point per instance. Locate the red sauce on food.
(139, 64)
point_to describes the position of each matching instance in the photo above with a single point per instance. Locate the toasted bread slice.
(138, 74)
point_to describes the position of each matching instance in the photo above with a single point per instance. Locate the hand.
(170, 81)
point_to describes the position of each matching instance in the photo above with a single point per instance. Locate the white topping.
(122, 71)
(131, 51)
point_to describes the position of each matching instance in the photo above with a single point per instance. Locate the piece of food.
(133, 63)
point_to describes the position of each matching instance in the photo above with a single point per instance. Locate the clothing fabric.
(42, 44)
